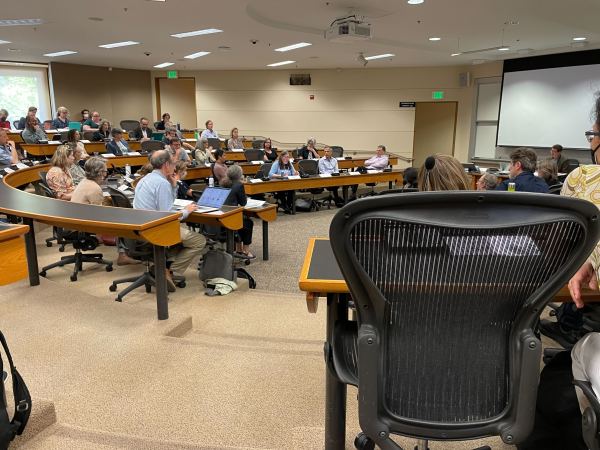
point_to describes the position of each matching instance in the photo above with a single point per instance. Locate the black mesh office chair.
(16, 124)
(64, 135)
(310, 167)
(42, 188)
(337, 151)
(399, 191)
(589, 419)
(214, 143)
(572, 164)
(258, 143)
(254, 154)
(129, 125)
(263, 171)
(555, 188)
(88, 135)
(150, 146)
(448, 287)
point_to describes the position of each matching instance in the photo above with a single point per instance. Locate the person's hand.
(172, 178)
(191, 207)
(585, 276)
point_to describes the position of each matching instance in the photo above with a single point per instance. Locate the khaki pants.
(182, 254)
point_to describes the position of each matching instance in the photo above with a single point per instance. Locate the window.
(22, 87)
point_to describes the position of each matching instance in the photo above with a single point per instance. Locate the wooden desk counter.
(13, 263)
(90, 147)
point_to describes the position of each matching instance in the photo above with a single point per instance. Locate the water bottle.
(127, 170)
(211, 182)
(512, 187)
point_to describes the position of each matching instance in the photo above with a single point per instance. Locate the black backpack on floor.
(10, 428)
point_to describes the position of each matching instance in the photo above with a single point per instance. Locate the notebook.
(212, 199)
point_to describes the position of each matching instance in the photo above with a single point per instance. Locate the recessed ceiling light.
(579, 39)
(5, 42)
(196, 55)
(96, 19)
(14, 49)
(63, 53)
(20, 22)
(163, 65)
(292, 47)
(197, 33)
(385, 55)
(456, 54)
(119, 44)
(415, 2)
(282, 63)
(435, 39)
(224, 48)
(504, 49)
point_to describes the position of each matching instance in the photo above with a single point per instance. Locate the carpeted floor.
(243, 371)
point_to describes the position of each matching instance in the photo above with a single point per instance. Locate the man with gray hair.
(523, 162)
(157, 192)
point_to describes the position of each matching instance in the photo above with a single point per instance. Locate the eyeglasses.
(589, 135)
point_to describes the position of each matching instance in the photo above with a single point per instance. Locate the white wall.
(357, 109)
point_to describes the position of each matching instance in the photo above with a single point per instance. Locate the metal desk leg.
(293, 202)
(230, 241)
(160, 264)
(265, 229)
(32, 263)
(335, 391)
(345, 193)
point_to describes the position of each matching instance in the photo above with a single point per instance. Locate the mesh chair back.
(214, 143)
(337, 151)
(119, 199)
(150, 146)
(46, 191)
(448, 286)
(555, 188)
(88, 135)
(254, 154)
(572, 164)
(264, 170)
(308, 166)
(258, 143)
(156, 124)
(42, 174)
(399, 191)
(129, 125)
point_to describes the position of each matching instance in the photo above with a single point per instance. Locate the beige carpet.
(243, 371)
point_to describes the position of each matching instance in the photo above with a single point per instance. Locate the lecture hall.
(265, 224)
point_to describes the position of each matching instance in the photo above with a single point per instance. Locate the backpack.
(216, 263)
(10, 428)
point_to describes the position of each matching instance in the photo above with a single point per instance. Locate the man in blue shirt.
(328, 165)
(157, 192)
(522, 165)
(8, 154)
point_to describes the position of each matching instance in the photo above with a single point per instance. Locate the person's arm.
(274, 172)
(377, 163)
(321, 166)
(14, 155)
(241, 194)
(40, 135)
(187, 145)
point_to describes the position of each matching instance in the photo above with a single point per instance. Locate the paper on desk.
(108, 155)
(189, 140)
(22, 166)
(252, 203)
(218, 212)
(123, 188)
(325, 175)
(373, 171)
(54, 142)
(179, 203)
(133, 154)
(294, 177)
(257, 162)
(128, 179)
(85, 141)
(255, 180)
(237, 150)
(353, 173)
(8, 170)
(105, 194)
(51, 131)
(340, 158)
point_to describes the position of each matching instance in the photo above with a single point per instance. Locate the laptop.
(212, 199)
(157, 136)
(75, 126)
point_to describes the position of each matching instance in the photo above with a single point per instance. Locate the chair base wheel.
(148, 289)
(363, 442)
(181, 284)
(247, 262)
(48, 244)
(109, 268)
(43, 273)
(61, 249)
(118, 299)
(73, 277)
(112, 288)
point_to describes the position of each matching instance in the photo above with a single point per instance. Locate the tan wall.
(356, 109)
(117, 94)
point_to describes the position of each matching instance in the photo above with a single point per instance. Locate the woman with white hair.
(62, 118)
(88, 190)
(309, 151)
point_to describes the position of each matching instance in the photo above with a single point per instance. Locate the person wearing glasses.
(103, 132)
(93, 123)
(178, 152)
(4, 123)
(283, 168)
(62, 118)
(118, 146)
(88, 191)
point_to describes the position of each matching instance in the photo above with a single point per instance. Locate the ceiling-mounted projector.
(348, 30)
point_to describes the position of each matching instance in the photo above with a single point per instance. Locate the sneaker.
(565, 337)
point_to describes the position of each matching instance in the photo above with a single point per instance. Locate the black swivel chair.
(254, 154)
(448, 288)
(263, 171)
(129, 125)
(258, 143)
(555, 188)
(151, 145)
(589, 419)
(337, 151)
(572, 164)
(16, 124)
(310, 167)
(45, 190)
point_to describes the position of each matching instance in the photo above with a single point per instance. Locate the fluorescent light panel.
(435, 39)
(281, 63)
(456, 54)
(293, 47)
(63, 53)
(196, 55)
(20, 22)
(579, 39)
(415, 2)
(163, 65)
(119, 44)
(504, 49)
(4, 42)
(197, 33)
(385, 55)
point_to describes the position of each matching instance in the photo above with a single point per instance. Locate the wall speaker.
(464, 79)
(300, 79)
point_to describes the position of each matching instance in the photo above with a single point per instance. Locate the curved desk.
(90, 147)
(13, 264)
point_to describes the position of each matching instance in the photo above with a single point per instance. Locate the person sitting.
(237, 197)
(155, 192)
(73, 139)
(184, 192)
(219, 168)
(522, 164)
(88, 191)
(143, 132)
(4, 123)
(8, 153)
(33, 133)
(442, 172)
(410, 178)
(378, 162)
(309, 151)
(203, 152)
(93, 123)
(76, 171)
(165, 122)
(32, 111)
(234, 142)
(62, 118)
(270, 152)
(209, 133)
(179, 154)
(561, 162)
(59, 177)
(118, 146)
(328, 165)
(103, 132)
(547, 171)
(85, 115)
(170, 133)
(487, 182)
(283, 168)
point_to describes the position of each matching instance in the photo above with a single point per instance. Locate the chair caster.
(148, 288)
(181, 284)
(363, 442)
(61, 248)
(49, 244)
(73, 277)
(109, 268)
(247, 262)
(119, 299)
(112, 288)
(43, 273)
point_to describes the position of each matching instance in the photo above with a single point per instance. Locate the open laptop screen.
(213, 197)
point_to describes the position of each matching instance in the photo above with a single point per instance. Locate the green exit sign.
(437, 95)
(171, 74)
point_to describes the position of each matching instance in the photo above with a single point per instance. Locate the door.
(178, 98)
(435, 130)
